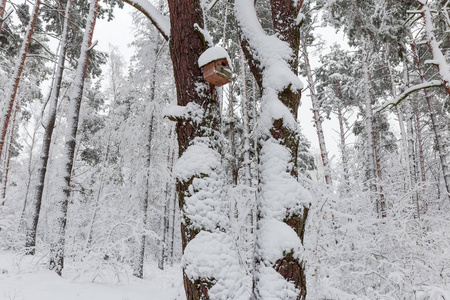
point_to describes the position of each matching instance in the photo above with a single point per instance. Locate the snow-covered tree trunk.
(399, 113)
(138, 270)
(343, 148)
(283, 204)
(421, 159)
(246, 120)
(47, 139)
(316, 112)
(64, 189)
(439, 143)
(233, 145)
(144, 201)
(2, 13)
(8, 154)
(210, 265)
(173, 207)
(8, 104)
(434, 45)
(412, 159)
(373, 168)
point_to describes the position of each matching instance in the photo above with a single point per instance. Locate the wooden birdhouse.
(216, 66)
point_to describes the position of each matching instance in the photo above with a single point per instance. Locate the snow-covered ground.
(27, 278)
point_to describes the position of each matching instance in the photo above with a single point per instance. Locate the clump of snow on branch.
(192, 111)
(218, 261)
(212, 54)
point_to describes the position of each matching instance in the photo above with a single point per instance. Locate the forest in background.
(145, 162)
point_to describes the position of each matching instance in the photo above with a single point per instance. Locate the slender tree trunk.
(401, 122)
(421, 160)
(8, 155)
(343, 148)
(316, 112)
(371, 173)
(165, 223)
(412, 159)
(143, 204)
(2, 13)
(246, 120)
(173, 198)
(64, 192)
(30, 243)
(231, 117)
(440, 145)
(144, 201)
(374, 167)
(30, 171)
(8, 104)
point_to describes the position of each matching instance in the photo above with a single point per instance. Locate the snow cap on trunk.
(213, 54)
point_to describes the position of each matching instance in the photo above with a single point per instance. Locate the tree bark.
(186, 45)
(439, 58)
(280, 136)
(62, 200)
(440, 145)
(343, 148)
(16, 76)
(2, 13)
(30, 243)
(8, 154)
(374, 168)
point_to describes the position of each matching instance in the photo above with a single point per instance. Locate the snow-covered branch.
(161, 22)
(407, 92)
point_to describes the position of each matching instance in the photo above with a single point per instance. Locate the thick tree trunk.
(8, 104)
(278, 141)
(47, 139)
(186, 45)
(62, 200)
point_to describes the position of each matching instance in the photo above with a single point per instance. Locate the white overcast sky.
(119, 33)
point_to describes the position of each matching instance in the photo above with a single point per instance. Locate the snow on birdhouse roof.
(212, 54)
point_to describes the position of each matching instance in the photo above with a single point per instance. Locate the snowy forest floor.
(25, 278)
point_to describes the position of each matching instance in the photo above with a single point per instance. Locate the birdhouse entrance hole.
(217, 72)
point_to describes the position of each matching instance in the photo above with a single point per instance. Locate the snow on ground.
(26, 278)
